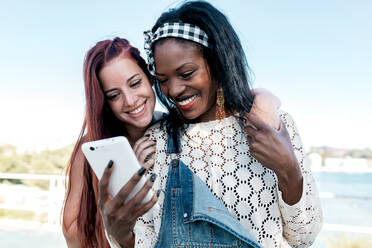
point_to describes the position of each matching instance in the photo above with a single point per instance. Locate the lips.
(186, 102)
(138, 111)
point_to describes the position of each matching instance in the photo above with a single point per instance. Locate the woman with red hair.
(119, 101)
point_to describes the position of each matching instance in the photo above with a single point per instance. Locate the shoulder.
(157, 117)
(286, 118)
(291, 126)
(156, 129)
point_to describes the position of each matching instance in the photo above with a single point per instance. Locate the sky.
(316, 56)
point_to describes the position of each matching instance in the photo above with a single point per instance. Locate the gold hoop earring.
(220, 102)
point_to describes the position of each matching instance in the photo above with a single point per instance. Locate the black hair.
(225, 57)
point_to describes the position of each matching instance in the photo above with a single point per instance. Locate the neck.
(134, 133)
(210, 115)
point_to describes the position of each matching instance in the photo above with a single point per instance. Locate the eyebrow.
(128, 80)
(179, 68)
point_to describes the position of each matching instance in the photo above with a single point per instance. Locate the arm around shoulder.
(266, 106)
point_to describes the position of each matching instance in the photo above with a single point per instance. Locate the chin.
(190, 116)
(141, 124)
(148, 120)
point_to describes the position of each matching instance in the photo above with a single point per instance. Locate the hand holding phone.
(117, 149)
(120, 216)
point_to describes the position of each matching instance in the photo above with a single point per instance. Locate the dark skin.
(273, 149)
(119, 216)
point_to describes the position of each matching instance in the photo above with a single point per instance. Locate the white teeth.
(137, 110)
(187, 101)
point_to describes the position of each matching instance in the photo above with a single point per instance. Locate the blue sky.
(314, 55)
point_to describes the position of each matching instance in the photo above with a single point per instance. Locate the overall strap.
(174, 143)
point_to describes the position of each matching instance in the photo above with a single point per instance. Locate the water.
(352, 202)
(351, 205)
(345, 184)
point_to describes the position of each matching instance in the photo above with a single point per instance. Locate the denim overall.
(193, 217)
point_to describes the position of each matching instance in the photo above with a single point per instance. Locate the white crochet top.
(218, 152)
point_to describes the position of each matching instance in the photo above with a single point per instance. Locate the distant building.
(346, 164)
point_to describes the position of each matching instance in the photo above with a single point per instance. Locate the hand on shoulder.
(266, 107)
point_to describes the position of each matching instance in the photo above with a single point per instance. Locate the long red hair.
(99, 123)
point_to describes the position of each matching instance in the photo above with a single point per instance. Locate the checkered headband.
(180, 30)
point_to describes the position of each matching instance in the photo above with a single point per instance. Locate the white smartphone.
(117, 149)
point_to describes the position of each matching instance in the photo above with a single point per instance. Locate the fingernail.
(110, 163)
(141, 171)
(158, 193)
(153, 177)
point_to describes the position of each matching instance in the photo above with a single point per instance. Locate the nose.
(175, 88)
(129, 98)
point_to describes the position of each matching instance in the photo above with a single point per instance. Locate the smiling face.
(184, 78)
(128, 92)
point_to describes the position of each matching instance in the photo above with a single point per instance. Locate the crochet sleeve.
(145, 232)
(303, 220)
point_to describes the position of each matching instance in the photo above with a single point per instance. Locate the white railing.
(56, 191)
(33, 199)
